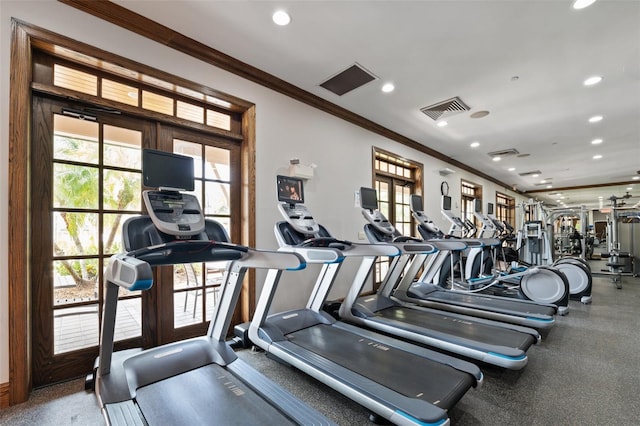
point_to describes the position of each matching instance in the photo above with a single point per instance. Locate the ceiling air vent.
(453, 105)
(503, 153)
(533, 172)
(348, 80)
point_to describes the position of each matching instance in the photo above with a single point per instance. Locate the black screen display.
(477, 205)
(166, 170)
(368, 199)
(416, 203)
(446, 202)
(290, 189)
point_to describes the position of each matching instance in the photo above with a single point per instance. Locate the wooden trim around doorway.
(4, 395)
(25, 38)
(19, 297)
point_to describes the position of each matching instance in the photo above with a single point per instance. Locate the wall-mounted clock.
(444, 188)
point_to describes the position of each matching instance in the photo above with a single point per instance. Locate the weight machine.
(620, 257)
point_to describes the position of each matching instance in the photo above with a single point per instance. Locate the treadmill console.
(174, 213)
(291, 205)
(369, 204)
(299, 217)
(171, 211)
(422, 219)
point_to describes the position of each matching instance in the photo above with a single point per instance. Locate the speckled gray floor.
(585, 372)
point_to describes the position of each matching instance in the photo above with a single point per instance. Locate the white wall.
(285, 129)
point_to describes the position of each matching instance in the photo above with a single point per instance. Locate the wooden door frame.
(24, 38)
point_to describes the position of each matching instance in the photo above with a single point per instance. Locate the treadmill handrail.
(270, 259)
(366, 249)
(412, 247)
(197, 250)
(355, 249)
(315, 254)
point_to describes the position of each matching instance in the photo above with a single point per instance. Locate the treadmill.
(395, 380)
(497, 343)
(196, 381)
(405, 289)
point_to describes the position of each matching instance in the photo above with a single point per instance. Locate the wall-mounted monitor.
(368, 198)
(290, 189)
(446, 203)
(477, 205)
(416, 203)
(489, 208)
(167, 170)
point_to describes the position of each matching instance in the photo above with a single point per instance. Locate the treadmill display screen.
(290, 189)
(489, 208)
(416, 203)
(368, 199)
(446, 203)
(477, 205)
(166, 170)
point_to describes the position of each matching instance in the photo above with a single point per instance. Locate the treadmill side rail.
(123, 413)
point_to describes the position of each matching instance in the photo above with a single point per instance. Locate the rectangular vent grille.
(453, 105)
(504, 152)
(348, 80)
(533, 172)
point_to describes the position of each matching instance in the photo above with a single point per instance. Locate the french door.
(394, 200)
(190, 291)
(86, 180)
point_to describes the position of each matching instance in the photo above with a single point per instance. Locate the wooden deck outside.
(77, 328)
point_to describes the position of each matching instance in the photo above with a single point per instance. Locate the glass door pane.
(196, 287)
(91, 188)
(85, 178)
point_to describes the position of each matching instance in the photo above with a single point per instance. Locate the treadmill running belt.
(443, 323)
(207, 395)
(490, 303)
(408, 374)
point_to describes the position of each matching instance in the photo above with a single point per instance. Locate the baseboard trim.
(4, 395)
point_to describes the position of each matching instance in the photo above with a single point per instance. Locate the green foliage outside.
(77, 187)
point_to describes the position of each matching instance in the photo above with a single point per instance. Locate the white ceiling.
(523, 61)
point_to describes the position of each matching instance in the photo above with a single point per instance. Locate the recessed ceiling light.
(543, 181)
(600, 197)
(596, 141)
(535, 175)
(388, 87)
(549, 186)
(511, 169)
(635, 177)
(629, 188)
(562, 198)
(281, 18)
(474, 144)
(581, 4)
(592, 80)
(497, 158)
(479, 114)
(442, 123)
(597, 157)
(595, 119)
(557, 201)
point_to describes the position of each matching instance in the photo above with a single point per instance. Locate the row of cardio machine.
(400, 359)
(406, 361)
(489, 265)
